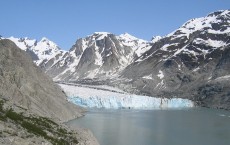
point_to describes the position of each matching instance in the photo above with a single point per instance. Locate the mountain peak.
(127, 35)
(155, 39)
(208, 22)
(44, 39)
(220, 12)
(39, 50)
(102, 33)
(48, 43)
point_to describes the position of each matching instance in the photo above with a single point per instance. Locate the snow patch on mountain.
(210, 42)
(160, 75)
(128, 37)
(142, 49)
(155, 39)
(148, 77)
(101, 35)
(227, 31)
(223, 77)
(99, 59)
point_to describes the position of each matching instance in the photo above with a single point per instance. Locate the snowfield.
(98, 98)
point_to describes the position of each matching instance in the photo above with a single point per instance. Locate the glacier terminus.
(111, 98)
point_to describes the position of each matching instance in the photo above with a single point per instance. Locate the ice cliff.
(99, 97)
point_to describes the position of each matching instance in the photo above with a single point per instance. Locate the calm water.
(198, 126)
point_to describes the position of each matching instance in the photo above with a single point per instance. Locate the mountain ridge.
(104, 53)
(190, 59)
(168, 66)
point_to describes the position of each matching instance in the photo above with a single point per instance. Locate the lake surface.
(197, 126)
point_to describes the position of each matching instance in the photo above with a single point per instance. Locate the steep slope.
(100, 55)
(23, 84)
(191, 62)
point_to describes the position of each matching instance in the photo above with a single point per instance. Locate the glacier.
(96, 97)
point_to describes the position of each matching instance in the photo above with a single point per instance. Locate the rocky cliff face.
(25, 85)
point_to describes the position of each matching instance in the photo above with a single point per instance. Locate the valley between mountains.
(191, 62)
(39, 81)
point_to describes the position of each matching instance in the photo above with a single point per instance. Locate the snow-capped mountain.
(192, 62)
(40, 51)
(100, 55)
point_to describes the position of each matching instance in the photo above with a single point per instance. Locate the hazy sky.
(63, 21)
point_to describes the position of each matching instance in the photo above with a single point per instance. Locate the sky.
(64, 21)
